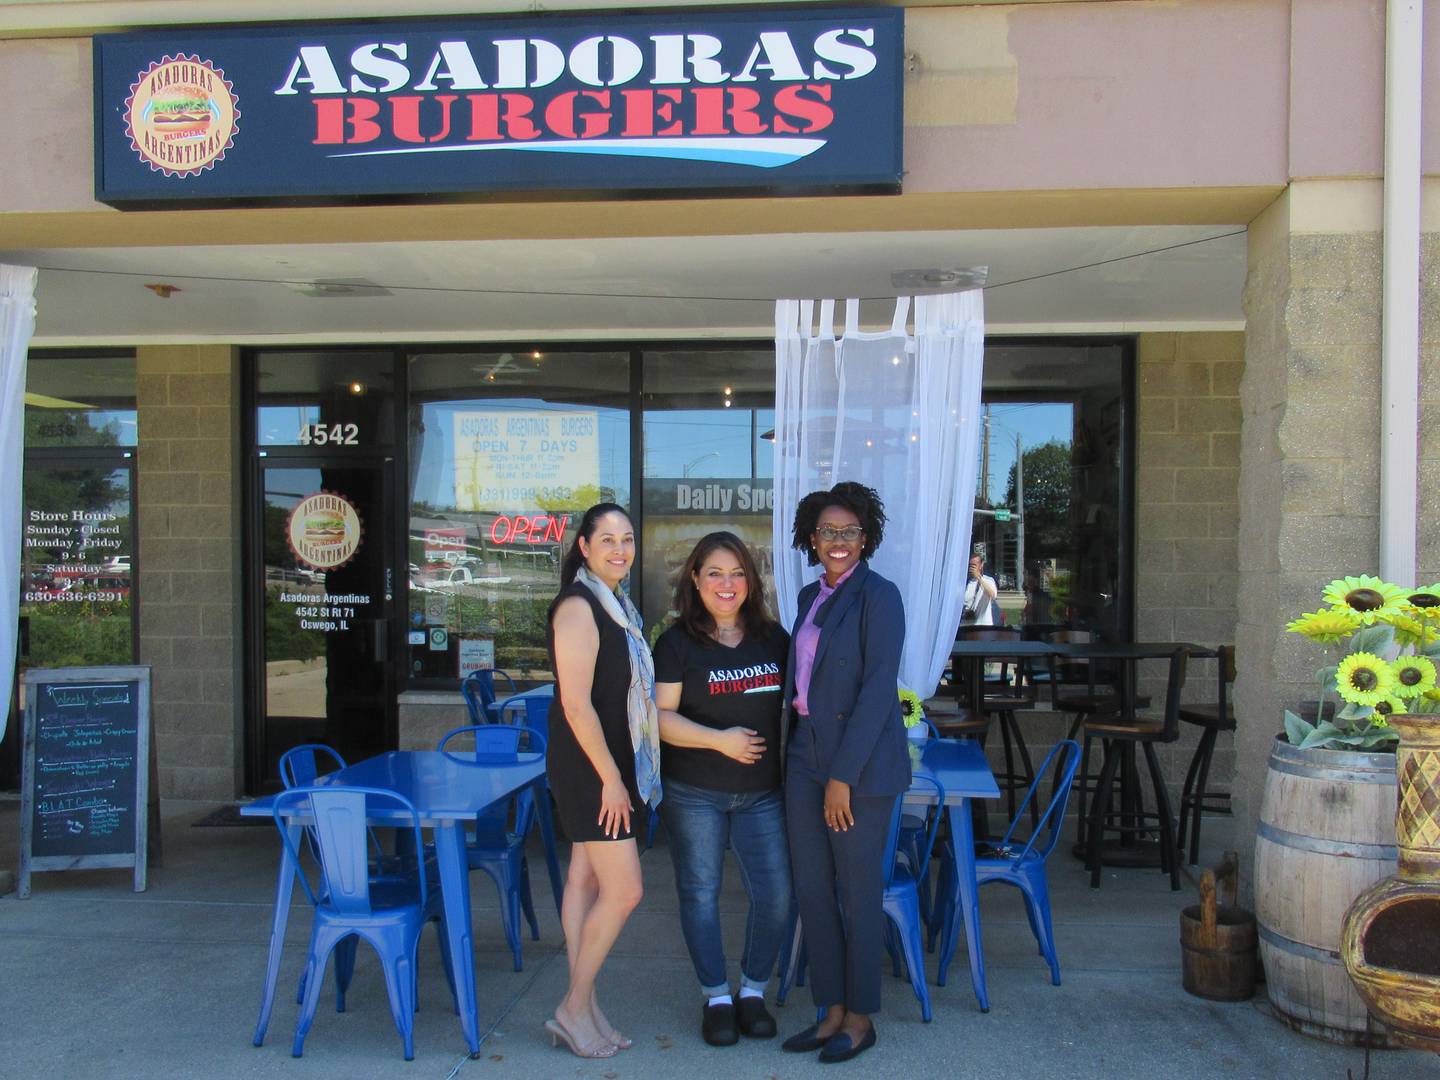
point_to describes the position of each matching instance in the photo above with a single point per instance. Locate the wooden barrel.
(1326, 834)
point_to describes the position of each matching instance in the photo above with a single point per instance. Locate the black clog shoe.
(842, 1048)
(717, 1025)
(754, 1019)
(804, 1042)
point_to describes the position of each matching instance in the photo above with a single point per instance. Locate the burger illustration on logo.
(324, 531)
(181, 115)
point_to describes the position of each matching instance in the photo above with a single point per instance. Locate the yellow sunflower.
(1384, 709)
(1368, 597)
(1409, 631)
(1328, 626)
(1364, 679)
(1414, 675)
(1424, 604)
(912, 709)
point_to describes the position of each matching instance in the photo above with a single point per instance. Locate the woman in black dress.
(603, 761)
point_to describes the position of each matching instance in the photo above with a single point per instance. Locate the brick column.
(189, 562)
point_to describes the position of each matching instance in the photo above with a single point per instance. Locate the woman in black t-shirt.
(718, 677)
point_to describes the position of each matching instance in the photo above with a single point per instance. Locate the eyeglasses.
(849, 533)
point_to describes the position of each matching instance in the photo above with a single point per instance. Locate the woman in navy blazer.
(845, 761)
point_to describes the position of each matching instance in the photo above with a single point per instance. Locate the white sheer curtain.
(898, 411)
(17, 323)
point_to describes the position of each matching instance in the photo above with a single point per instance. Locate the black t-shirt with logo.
(724, 687)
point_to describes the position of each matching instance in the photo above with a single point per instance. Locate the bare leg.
(614, 867)
(833, 1023)
(581, 889)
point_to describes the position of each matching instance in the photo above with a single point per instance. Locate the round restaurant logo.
(181, 115)
(324, 531)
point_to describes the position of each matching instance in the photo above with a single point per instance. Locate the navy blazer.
(853, 699)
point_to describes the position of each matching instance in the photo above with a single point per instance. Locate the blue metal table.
(959, 766)
(447, 789)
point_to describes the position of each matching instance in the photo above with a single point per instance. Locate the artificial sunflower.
(1410, 631)
(1386, 708)
(1364, 679)
(1328, 626)
(912, 709)
(1414, 675)
(1368, 597)
(1424, 604)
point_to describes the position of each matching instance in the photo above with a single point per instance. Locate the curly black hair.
(864, 502)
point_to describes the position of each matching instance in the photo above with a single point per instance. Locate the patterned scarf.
(640, 703)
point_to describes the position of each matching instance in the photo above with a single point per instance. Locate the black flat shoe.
(717, 1025)
(754, 1019)
(841, 1048)
(804, 1042)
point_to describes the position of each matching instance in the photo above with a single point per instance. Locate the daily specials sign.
(780, 100)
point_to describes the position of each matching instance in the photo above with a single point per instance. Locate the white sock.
(750, 991)
(721, 999)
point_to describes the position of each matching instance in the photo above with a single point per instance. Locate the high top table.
(447, 789)
(959, 766)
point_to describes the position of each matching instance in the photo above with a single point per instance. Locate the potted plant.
(1326, 831)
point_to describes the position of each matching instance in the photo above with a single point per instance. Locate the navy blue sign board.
(85, 785)
(773, 101)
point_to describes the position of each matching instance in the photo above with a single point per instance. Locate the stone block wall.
(1187, 515)
(189, 564)
(1311, 445)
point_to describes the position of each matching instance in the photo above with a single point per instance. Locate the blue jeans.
(700, 824)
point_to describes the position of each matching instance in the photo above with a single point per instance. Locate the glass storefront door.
(322, 648)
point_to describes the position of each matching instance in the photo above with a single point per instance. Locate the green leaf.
(1375, 639)
(1296, 728)
(1320, 737)
(1378, 736)
(1351, 711)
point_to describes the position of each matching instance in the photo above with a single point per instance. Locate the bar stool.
(1196, 798)
(1000, 698)
(1120, 732)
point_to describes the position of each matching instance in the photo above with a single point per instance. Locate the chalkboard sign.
(85, 790)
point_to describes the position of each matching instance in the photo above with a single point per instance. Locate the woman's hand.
(742, 744)
(615, 807)
(837, 806)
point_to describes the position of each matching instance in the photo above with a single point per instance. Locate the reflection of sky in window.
(1036, 423)
(281, 424)
(708, 442)
(435, 472)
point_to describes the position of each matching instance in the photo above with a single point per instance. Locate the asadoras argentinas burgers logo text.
(182, 115)
(324, 530)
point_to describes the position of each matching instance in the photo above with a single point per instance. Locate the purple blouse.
(807, 639)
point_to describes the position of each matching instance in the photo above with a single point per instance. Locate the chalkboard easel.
(85, 795)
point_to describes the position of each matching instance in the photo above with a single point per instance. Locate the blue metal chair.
(349, 905)
(901, 904)
(1020, 866)
(498, 846)
(300, 767)
(478, 690)
(532, 708)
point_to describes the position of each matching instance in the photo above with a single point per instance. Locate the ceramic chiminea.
(1391, 944)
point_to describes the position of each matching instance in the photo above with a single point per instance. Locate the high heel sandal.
(560, 1033)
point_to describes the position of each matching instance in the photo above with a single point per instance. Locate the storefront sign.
(444, 545)
(529, 528)
(324, 531)
(476, 654)
(525, 458)
(784, 100)
(709, 497)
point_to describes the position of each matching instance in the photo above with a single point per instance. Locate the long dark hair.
(699, 623)
(589, 522)
(864, 502)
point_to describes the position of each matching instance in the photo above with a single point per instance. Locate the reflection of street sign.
(1002, 515)
(439, 639)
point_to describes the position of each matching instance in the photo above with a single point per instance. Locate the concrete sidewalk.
(98, 981)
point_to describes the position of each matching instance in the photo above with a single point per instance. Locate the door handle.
(380, 639)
